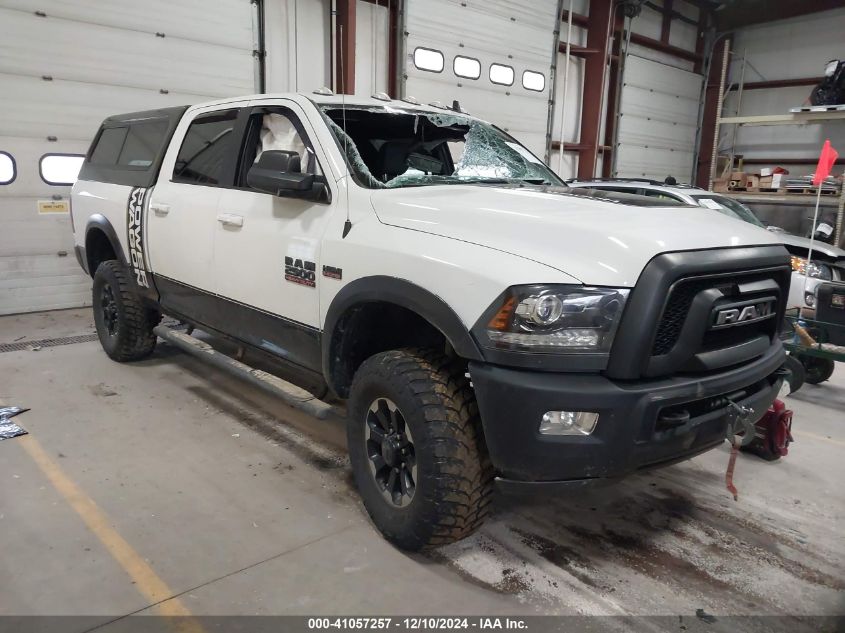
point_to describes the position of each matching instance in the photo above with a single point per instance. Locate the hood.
(596, 241)
(803, 243)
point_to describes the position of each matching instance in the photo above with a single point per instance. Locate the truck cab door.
(183, 211)
(267, 247)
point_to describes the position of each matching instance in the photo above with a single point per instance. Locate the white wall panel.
(69, 109)
(660, 57)
(518, 33)
(372, 37)
(683, 35)
(121, 58)
(101, 58)
(297, 40)
(658, 124)
(649, 23)
(228, 24)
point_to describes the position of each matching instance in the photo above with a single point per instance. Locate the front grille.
(678, 305)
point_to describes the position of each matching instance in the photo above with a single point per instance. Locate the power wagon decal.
(300, 272)
(135, 234)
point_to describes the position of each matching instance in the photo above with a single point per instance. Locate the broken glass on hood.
(388, 147)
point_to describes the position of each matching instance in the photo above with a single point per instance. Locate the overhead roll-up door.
(659, 119)
(64, 67)
(504, 51)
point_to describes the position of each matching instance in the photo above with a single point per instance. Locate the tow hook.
(741, 430)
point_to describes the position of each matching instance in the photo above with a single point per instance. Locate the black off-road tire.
(124, 324)
(797, 374)
(817, 369)
(454, 476)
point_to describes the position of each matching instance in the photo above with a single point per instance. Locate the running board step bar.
(294, 396)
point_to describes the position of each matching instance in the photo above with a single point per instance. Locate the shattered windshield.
(387, 147)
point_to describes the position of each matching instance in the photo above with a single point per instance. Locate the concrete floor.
(166, 471)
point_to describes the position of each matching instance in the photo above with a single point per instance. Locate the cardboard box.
(720, 185)
(766, 171)
(752, 181)
(772, 181)
(737, 175)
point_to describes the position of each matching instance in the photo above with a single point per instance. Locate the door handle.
(230, 219)
(160, 208)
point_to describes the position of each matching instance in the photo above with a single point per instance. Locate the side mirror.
(279, 172)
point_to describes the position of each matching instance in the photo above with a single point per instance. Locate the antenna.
(347, 226)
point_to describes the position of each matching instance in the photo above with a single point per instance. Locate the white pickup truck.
(483, 322)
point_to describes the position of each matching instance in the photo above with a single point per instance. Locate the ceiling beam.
(778, 83)
(739, 14)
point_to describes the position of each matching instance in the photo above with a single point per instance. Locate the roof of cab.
(351, 101)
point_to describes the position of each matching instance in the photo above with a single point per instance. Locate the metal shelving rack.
(799, 116)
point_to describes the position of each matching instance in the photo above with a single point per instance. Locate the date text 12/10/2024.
(418, 623)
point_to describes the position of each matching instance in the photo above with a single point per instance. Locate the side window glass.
(652, 193)
(142, 144)
(207, 147)
(276, 131)
(109, 145)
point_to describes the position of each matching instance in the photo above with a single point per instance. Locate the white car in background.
(828, 263)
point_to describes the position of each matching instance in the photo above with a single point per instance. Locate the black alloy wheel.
(389, 445)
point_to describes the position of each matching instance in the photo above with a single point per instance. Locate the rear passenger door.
(182, 214)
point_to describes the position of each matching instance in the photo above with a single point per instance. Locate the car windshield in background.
(634, 199)
(388, 147)
(729, 207)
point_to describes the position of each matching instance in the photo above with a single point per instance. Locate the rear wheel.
(416, 448)
(124, 324)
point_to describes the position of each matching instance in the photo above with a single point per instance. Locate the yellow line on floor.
(153, 588)
(821, 438)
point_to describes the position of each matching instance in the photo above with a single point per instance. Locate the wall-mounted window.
(7, 168)
(428, 59)
(60, 169)
(501, 74)
(533, 81)
(466, 67)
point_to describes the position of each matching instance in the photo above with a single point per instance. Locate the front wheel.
(416, 448)
(124, 324)
(817, 369)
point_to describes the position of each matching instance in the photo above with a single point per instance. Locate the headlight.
(564, 319)
(811, 269)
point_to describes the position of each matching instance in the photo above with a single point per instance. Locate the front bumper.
(632, 432)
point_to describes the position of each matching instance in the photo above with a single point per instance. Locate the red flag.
(826, 160)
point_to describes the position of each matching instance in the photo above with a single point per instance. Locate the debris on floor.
(9, 429)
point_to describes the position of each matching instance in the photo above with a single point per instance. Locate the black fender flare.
(403, 293)
(101, 222)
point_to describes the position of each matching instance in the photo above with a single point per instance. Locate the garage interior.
(169, 487)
